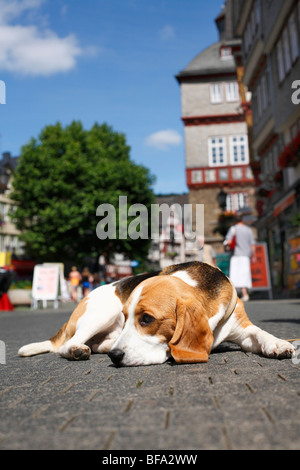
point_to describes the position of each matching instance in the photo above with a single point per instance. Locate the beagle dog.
(182, 312)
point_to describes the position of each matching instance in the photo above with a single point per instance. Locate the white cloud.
(28, 51)
(10, 9)
(167, 33)
(31, 50)
(162, 140)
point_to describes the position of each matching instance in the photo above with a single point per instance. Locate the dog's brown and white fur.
(183, 312)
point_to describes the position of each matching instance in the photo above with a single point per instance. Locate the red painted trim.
(212, 120)
(219, 182)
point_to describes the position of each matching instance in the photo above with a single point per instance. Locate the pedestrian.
(241, 239)
(87, 280)
(206, 253)
(74, 278)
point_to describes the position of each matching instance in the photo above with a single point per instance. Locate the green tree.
(61, 179)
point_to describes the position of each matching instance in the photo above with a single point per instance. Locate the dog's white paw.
(278, 349)
(80, 353)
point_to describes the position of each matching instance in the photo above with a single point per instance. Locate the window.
(4, 212)
(236, 201)
(239, 153)
(261, 97)
(252, 26)
(232, 91)
(293, 37)
(226, 53)
(210, 176)
(224, 174)
(197, 177)
(287, 48)
(249, 174)
(217, 151)
(237, 173)
(216, 93)
(280, 63)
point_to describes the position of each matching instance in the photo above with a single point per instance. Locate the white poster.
(45, 282)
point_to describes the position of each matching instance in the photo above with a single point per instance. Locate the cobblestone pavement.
(236, 401)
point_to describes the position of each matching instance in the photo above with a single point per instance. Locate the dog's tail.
(36, 348)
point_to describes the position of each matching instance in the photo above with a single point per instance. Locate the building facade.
(216, 133)
(10, 244)
(175, 242)
(270, 56)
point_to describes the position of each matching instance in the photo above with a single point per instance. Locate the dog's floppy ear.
(193, 338)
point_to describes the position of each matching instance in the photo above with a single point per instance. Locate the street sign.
(260, 270)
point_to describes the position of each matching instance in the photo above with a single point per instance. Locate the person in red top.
(75, 278)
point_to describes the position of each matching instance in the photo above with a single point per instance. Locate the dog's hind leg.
(96, 315)
(36, 348)
(55, 342)
(253, 339)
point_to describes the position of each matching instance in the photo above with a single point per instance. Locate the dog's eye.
(146, 319)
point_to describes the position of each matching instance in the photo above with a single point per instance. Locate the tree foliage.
(61, 179)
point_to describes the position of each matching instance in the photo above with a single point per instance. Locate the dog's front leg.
(102, 319)
(98, 337)
(254, 339)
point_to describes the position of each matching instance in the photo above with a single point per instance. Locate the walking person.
(87, 280)
(243, 252)
(75, 278)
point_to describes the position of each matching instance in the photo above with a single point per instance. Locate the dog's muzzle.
(116, 355)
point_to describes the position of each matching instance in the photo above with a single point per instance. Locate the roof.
(7, 165)
(172, 199)
(7, 161)
(208, 62)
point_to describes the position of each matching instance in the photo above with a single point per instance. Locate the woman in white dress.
(240, 262)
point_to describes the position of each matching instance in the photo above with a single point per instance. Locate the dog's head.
(164, 318)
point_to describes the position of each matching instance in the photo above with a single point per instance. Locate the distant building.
(270, 55)
(9, 235)
(175, 243)
(216, 133)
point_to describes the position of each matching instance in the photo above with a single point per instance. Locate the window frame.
(232, 92)
(217, 146)
(239, 144)
(214, 96)
(293, 36)
(233, 201)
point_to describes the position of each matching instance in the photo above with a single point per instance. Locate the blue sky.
(110, 61)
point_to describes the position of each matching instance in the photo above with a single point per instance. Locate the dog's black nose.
(116, 356)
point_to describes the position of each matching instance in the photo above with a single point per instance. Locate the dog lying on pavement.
(183, 312)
